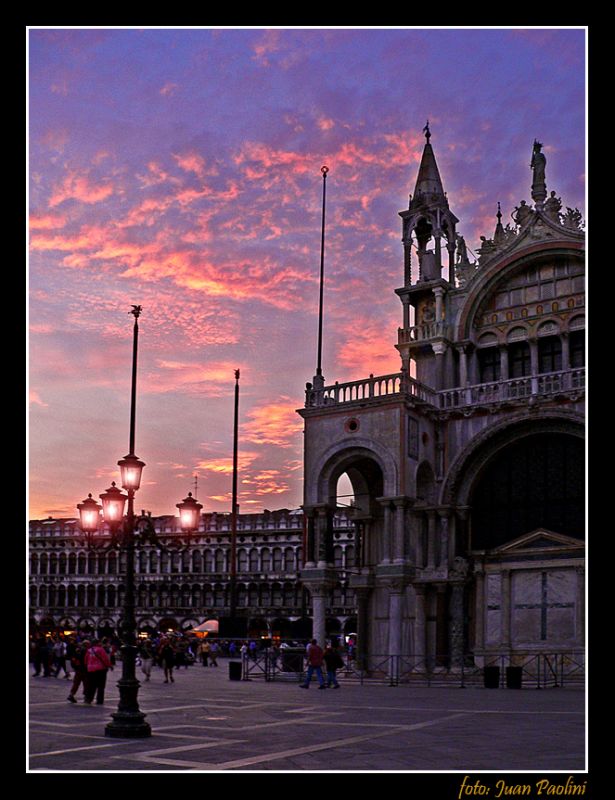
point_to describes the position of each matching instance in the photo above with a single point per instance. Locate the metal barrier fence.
(518, 670)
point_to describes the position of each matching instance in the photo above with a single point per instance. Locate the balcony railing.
(423, 332)
(495, 392)
(368, 389)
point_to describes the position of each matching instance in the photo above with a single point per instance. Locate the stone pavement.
(206, 722)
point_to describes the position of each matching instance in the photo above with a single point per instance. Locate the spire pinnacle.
(427, 132)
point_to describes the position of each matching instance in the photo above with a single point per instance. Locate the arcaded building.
(179, 582)
(467, 466)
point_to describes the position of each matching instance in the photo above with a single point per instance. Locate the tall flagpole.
(233, 571)
(319, 380)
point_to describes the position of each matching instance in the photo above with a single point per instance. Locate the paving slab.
(206, 722)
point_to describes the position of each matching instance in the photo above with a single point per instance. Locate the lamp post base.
(128, 725)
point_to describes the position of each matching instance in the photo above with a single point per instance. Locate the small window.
(577, 349)
(550, 354)
(519, 362)
(489, 364)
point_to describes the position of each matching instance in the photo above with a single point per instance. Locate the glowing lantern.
(89, 515)
(113, 504)
(131, 468)
(189, 513)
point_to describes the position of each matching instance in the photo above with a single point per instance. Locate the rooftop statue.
(522, 214)
(538, 164)
(553, 207)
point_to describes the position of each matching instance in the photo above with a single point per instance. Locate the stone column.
(431, 539)
(399, 554)
(419, 627)
(387, 533)
(450, 246)
(533, 342)
(565, 339)
(406, 306)
(439, 349)
(320, 595)
(309, 558)
(505, 607)
(396, 589)
(580, 607)
(463, 365)
(456, 624)
(504, 362)
(439, 295)
(479, 634)
(444, 514)
(441, 625)
(362, 596)
(323, 535)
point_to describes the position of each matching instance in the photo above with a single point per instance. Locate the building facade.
(181, 583)
(467, 466)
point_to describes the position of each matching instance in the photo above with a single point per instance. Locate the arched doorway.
(520, 530)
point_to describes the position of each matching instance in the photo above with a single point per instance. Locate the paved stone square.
(206, 722)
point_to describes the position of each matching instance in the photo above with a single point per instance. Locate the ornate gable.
(539, 542)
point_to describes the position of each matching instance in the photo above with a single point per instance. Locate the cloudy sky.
(179, 169)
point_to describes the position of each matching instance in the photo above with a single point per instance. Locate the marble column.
(504, 362)
(310, 554)
(479, 633)
(444, 514)
(396, 589)
(439, 348)
(441, 625)
(419, 627)
(399, 525)
(565, 340)
(533, 342)
(362, 596)
(456, 643)
(319, 606)
(505, 607)
(406, 307)
(384, 556)
(580, 607)
(431, 539)
(439, 294)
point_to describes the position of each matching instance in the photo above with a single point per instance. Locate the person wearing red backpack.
(97, 663)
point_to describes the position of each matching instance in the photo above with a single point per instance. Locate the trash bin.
(514, 677)
(491, 676)
(234, 670)
(292, 659)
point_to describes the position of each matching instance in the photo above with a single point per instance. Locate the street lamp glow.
(89, 515)
(189, 513)
(113, 504)
(131, 468)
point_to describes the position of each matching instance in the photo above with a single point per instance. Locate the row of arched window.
(185, 596)
(149, 561)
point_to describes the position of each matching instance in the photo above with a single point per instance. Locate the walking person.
(333, 662)
(213, 654)
(146, 655)
(315, 660)
(41, 656)
(97, 664)
(78, 664)
(59, 658)
(166, 653)
(204, 649)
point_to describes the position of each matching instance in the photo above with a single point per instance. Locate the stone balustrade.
(423, 332)
(395, 385)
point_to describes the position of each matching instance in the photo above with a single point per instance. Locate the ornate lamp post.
(128, 721)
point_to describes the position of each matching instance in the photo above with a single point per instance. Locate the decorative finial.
(324, 171)
(236, 374)
(499, 214)
(136, 311)
(427, 132)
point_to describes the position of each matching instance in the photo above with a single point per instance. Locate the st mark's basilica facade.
(467, 466)
(465, 539)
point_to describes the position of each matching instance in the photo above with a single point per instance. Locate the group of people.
(316, 657)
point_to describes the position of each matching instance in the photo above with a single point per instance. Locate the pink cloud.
(274, 423)
(35, 399)
(169, 88)
(79, 187)
(47, 222)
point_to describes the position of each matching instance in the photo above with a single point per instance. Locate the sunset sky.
(179, 169)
